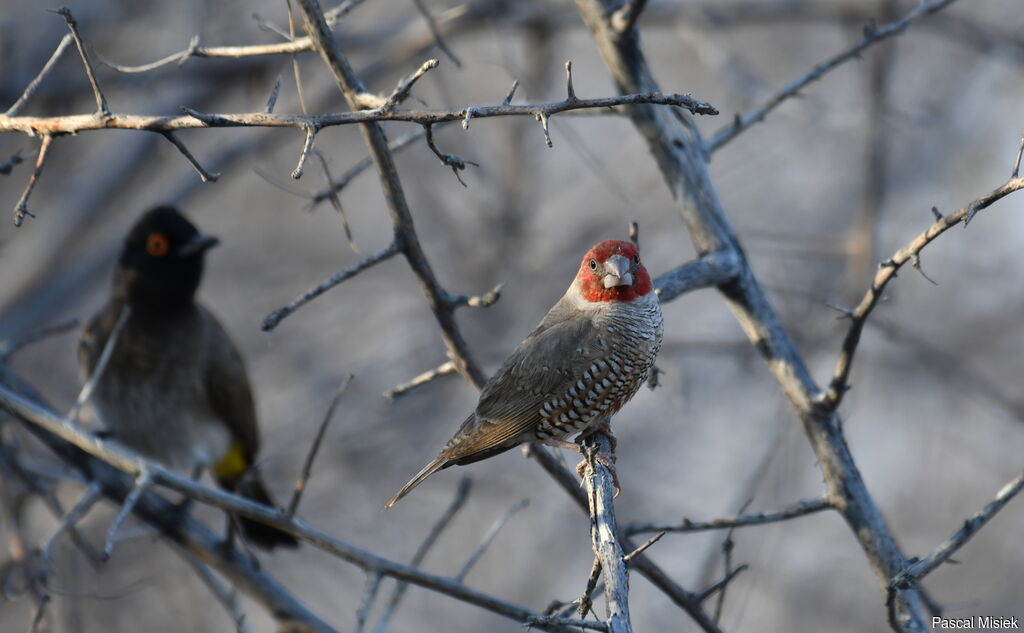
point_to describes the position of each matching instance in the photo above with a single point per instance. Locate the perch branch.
(799, 509)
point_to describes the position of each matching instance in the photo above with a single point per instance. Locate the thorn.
(570, 91)
(508, 97)
(543, 118)
(935, 212)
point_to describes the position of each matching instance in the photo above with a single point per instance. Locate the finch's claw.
(608, 461)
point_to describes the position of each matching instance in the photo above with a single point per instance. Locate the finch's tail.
(428, 470)
(259, 534)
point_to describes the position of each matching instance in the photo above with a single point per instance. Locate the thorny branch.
(887, 271)
(801, 508)
(872, 35)
(92, 456)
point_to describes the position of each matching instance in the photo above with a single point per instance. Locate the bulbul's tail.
(428, 470)
(259, 534)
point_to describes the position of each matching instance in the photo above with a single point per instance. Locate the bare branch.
(457, 163)
(307, 147)
(307, 465)
(459, 500)
(489, 536)
(401, 91)
(713, 269)
(274, 318)
(918, 570)
(92, 494)
(143, 480)
(272, 101)
(33, 85)
(75, 123)
(445, 368)
(485, 300)
(604, 534)
(337, 185)
(799, 509)
(871, 36)
(720, 586)
(336, 203)
(21, 208)
(227, 597)
(61, 434)
(101, 363)
(204, 175)
(372, 587)
(886, 271)
(102, 110)
(436, 32)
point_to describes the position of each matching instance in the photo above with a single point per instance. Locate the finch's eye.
(156, 244)
(636, 259)
(593, 264)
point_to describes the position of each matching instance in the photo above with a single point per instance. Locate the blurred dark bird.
(175, 387)
(585, 360)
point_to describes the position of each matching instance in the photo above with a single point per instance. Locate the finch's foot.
(608, 461)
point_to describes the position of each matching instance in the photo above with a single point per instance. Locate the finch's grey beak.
(198, 244)
(616, 272)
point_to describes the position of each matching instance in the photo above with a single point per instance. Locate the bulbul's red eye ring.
(156, 244)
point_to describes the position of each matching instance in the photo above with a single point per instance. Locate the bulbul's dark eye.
(156, 244)
(593, 264)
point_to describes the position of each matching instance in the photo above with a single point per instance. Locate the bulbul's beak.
(616, 272)
(198, 244)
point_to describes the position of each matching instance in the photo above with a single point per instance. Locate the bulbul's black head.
(162, 261)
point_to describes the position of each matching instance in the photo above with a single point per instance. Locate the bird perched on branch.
(175, 388)
(585, 360)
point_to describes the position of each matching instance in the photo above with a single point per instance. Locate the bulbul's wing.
(541, 370)
(227, 387)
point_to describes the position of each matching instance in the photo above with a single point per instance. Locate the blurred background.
(828, 185)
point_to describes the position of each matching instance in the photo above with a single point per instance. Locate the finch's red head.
(611, 271)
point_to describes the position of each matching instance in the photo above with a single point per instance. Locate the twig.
(336, 203)
(204, 175)
(142, 483)
(585, 604)
(801, 508)
(445, 368)
(226, 596)
(101, 363)
(33, 85)
(457, 163)
(273, 319)
(643, 547)
(489, 536)
(307, 465)
(485, 300)
(918, 570)
(401, 91)
(102, 111)
(373, 581)
(336, 186)
(459, 500)
(720, 586)
(307, 147)
(295, 60)
(92, 494)
(436, 32)
(272, 101)
(714, 269)
(871, 36)
(511, 93)
(21, 208)
(886, 271)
